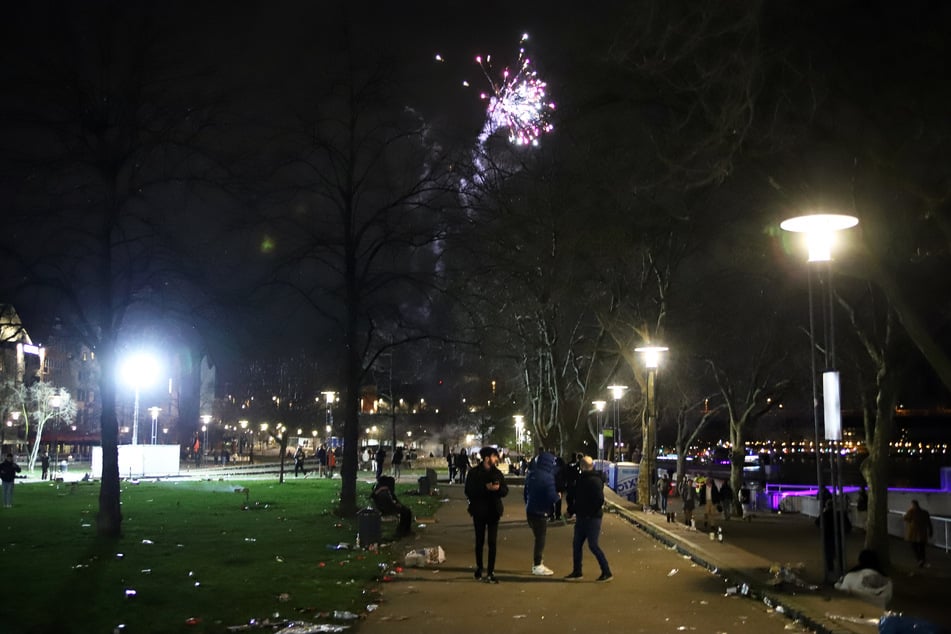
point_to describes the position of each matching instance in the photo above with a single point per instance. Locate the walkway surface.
(667, 578)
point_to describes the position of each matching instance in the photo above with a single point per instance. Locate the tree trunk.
(875, 470)
(737, 462)
(109, 518)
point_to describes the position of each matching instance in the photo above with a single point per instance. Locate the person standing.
(726, 499)
(45, 465)
(663, 491)
(688, 497)
(397, 461)
(485, 487)
(299, 461)
(561, 485)
(462, 464)
(321, 460)
(540, 495)
(380, 460)
(8, 474)
(451, 461)
(918, 530)
(588, 506)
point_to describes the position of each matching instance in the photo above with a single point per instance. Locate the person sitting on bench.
(384, 498)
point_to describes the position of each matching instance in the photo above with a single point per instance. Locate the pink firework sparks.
(516, 103)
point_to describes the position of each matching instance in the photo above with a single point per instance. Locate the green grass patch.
(195, 556)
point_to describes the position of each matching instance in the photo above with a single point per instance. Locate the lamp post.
(651, 356)
(206, 420)
(599, 415)
(819, 231)
(617, 391)
(154, 411)
(139, 371)
(329, 398)
(519, 432)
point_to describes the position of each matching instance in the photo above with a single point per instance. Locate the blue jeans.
(8, 493)
(588, 529)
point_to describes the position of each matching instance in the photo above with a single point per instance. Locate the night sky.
(849, 109)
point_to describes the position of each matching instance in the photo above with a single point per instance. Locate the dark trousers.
(539, 526)
(919, 549)
(588, 529)
(484, 527)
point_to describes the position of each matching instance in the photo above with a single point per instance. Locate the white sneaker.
(542, 570)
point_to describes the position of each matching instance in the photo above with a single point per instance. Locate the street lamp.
(140, 370)
(206, 419)
(651, 356)
(819, 231)
(329, 398)
(599, 413)
(617, 391)
(154, 411)
(519, 432)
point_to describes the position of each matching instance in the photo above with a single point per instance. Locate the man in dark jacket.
(589, 500)
(384, 497)
(485, 488)
(8, 474)
(540, 494)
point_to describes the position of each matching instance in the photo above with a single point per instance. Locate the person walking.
(45, 465)
(485, 487)
(8, 474)
(918, 530)
(588, 506)
(332, 461)
(688, 497)
(541, 493)
(726, 499)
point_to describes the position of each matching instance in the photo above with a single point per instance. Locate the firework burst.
(517, 102)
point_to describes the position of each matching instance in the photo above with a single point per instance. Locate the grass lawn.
(196, 556)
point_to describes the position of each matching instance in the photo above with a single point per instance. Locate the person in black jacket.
(384, 497)
(588, 503)
(485, 487)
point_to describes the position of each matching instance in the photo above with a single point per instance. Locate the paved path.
(664, 579)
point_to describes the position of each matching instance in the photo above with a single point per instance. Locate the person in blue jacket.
(540, 495)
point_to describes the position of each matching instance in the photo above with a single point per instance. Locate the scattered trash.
(147, 542)
(192, 620)
(284, 597)
(279, 559)
(85, 525)
(146, 571)
(119, 555)
(372, 607)
(250, 540)
(672, 572)
(129, 593)
(744, 589)
(780, 609)
(424, 556)
(731, 590)
(786, 574)
(345, 615)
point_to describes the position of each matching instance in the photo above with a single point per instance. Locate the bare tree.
(94, 137)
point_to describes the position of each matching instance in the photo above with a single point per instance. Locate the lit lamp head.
(140, 370)
(329, 397)
(651, 355)
(617, 391)
(599, 405)
(820, 230)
